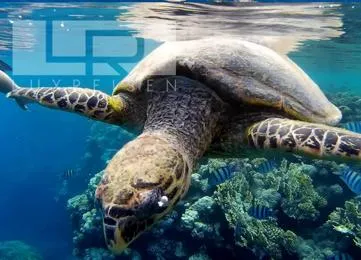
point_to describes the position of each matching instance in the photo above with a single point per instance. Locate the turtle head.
(141, 184)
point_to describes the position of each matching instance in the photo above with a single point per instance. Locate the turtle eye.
(149, 203)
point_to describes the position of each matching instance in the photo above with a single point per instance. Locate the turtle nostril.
(119, 212)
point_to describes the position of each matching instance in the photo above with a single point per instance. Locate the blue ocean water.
(39, 145)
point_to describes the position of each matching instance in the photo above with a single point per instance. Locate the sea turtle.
(229, 92)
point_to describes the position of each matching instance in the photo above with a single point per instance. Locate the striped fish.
(221, 174)
(340, 256)
(267, 166)
(353, 126)
(352, 179)
(260, 212)
(67, 175)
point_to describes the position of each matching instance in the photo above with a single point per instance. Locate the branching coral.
(199, 256)
(347, 220)
(300, 200)
(198, 220)
(289, 187)
(86, 220)
(236, 197)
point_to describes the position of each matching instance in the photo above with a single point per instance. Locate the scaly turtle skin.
(225, 91)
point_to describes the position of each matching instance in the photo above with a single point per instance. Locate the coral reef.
(314, 213)
(347, 220)
(237, 196)
(102, 143)
(86, 220)
(295, 191)
(300, 200)
(165, 249)
(98, 253)
(108, 139)
(199, 256)
(17, 250)
(198, 220)
(348, 103)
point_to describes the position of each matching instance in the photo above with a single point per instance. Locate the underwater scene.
(215, 130)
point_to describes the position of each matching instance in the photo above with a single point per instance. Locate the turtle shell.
(238, 71)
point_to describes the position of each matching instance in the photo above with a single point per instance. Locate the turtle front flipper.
(296, 136)
(87, 102)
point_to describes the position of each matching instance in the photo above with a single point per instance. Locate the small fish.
(260, 212)
(221, 174)
(340, 256)
(353, 126)
(352, 179)
(344, 230)
(68, 174)
(267, 166)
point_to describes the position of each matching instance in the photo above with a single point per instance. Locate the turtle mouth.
(120, 233)
(123, 224)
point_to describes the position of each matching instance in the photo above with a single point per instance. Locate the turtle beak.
(123, 224)
(120, 232)
(119, 237)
